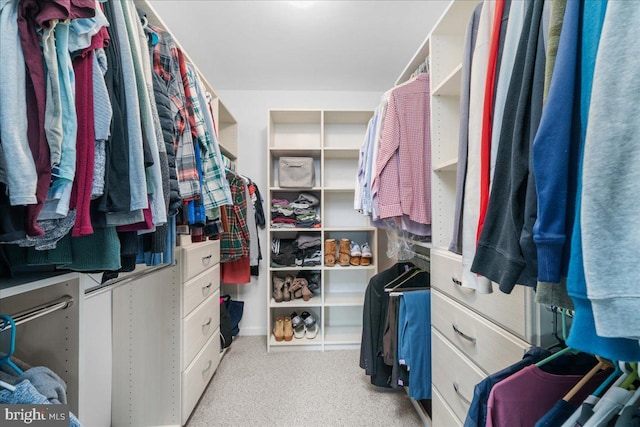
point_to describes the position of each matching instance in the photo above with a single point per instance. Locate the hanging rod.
(402, 292)
(421, 256)
(41, 310)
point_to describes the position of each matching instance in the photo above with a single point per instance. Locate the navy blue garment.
(477, 415)
(557, 415)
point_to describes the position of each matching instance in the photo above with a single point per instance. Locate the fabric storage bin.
(297, 172)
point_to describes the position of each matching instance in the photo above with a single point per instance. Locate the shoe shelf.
(344, 298)
(342, 334)
(316, 301)
(333, 139)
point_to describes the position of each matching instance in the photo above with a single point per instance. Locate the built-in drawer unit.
(488, 345)
(454, 375)
(199, 257)
(200, 288)
(508, 310)
(198, 374)
(200, 325)
(441, 414)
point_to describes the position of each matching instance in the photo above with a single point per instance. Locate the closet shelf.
(294, 230)
(339, 189)
(337, 267)
(450, 165)
(344, 299)
(33, 281)
(295, 152)
(342, 334)
(450, 86)
(342, 153)
(347, 229)
(296, 341)
(294, 189)
(316, 301)
(294, 268)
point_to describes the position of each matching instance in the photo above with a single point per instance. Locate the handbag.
(296, 172)
(234, 309)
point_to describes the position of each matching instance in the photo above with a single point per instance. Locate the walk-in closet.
(319, 213)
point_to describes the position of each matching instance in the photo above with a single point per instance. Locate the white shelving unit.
(333, 139)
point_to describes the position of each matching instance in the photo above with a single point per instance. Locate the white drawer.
(198, 257)
(441, 414)
(454, 375)
(489, 346)
(507, 310)
(200, 288)
(197, 375)
(199, 326)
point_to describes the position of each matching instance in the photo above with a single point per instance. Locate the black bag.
(234, 309)
(225, 325)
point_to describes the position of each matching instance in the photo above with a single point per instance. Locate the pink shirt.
(403, 165)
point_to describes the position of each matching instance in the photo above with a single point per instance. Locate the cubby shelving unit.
(333, 139)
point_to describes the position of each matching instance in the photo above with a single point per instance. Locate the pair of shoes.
(360, 255)
(300, 289)
(283, 329)
(344, 255)
(304, 325)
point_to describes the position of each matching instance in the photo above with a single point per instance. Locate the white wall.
(250, 108)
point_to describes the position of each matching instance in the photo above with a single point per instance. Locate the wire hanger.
(8, 323)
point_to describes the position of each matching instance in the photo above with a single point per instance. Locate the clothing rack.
(33, 313)
(400, 293)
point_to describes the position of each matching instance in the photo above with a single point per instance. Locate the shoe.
(286, 293)
(296, 288)
(330, 247)
(310, 325)
(306, 293)
(311, 259)
(366, 254)
(278, 329)
(354, 251)
(298, 325)
(344, 256)
(287, 329)
(278, 286)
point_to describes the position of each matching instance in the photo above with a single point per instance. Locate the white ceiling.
(293, 45)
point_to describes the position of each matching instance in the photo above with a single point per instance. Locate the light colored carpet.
(306, 388)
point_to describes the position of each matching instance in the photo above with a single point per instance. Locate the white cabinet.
(333, 139)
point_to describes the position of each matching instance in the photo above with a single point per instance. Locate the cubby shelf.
(450, 86)
(450, 165)
(333, 139)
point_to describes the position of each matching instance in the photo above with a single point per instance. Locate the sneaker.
(366, 254)
(310, 325)
(355, 254)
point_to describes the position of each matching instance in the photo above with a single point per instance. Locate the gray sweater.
(611, 177)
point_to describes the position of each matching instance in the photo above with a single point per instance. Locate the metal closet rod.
(25, 316)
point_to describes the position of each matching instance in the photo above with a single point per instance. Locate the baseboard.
(251, 331)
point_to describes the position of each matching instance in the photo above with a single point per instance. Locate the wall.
(250, 108)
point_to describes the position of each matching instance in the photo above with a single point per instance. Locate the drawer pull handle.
(457, 390)
(463, 335)
(206, 259)
(456, 281)
(205, 327)
(204, 371)
(206, 289)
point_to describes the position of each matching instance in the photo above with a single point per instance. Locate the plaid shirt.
(234, 244)
(166, 64)
(213, 179)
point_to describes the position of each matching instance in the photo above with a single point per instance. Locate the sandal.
(366, 254)
(355, 253)
(310, 325)
(344, 257)
(330, 246)
(298, 325)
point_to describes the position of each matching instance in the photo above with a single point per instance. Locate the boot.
(286, 292)
(288, 329)
(306, 293)
(344, 257)
(278, 329)
(330, 246)
(296, 288)
(278, 287)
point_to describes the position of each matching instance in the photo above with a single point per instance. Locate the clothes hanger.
(633, 376)
(415, 273)
(401, 277)
(7, 322)
(615, 374)
(566, 350)
(7, 386)
(602, 364)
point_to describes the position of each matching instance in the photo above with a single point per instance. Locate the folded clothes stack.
(301, 213)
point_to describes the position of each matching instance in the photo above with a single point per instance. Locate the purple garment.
(526, 396)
